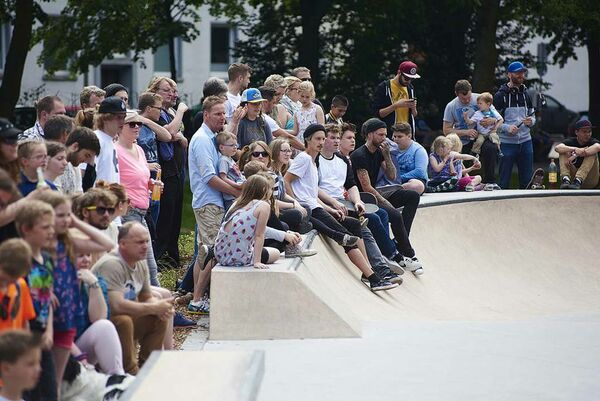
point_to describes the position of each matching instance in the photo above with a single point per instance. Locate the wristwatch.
(96, 284)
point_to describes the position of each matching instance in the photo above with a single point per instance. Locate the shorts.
(463, 182)
(64, 339)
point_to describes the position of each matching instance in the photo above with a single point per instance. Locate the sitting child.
(484, 102)
(228, 168)
(465, 182)
(443, 174)
(20, 355)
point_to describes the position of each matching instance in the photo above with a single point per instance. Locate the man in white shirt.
(109, 120)
(239, 79)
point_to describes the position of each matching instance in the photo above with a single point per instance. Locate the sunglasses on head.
(102, 209)
(260, 154)
(135, 124)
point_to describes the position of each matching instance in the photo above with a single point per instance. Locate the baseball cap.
(583, 124)
(112, 104)
(8, 132)
(409, 69)
(516, 66)
(252, 95)
(311, 129)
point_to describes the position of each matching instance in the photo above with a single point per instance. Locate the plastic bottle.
(552, 175)
(156, 188)
(41, 180)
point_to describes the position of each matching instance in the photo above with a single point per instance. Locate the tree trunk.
(311, 12)
(593, 48)
(15, 58)
(172, 63)
(486, 54)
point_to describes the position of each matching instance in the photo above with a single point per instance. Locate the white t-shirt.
(332, 176)
(233, 101)
(306, 186)
(271, 123)
(107, 163)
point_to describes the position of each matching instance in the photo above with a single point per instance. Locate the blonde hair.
(308, 87)
(456, 144)
(55, 199)
(289, 81)
(101, 118)
(486, 97)
(275, 81)
(439, 143)
(276, 145)
(155, 83)
(27, 148)
(224, 136)
(15, 257)
(85, 118)
(256, 187)
(31, 213)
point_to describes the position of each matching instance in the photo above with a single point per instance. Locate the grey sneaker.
(386, 274)
(381, 285)
(349, 240)
(394, 266)
(293, 251)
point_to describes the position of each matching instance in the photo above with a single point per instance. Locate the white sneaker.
(394, 266)
(419, 271)
(292, 251)
(412, 265)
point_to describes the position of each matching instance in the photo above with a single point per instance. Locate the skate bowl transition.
(497, 256)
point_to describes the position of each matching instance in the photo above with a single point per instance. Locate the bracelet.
(95, 284)
(81, 357)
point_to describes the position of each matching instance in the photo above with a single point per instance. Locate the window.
(222, 40)
(161, 58)
(62, 72)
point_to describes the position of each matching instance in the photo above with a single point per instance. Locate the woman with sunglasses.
(135, 177)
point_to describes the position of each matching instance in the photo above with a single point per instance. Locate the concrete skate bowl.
(492, 259)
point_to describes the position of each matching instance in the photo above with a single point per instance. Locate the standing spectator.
(239, 79)
(302, 182)
(278, 111)
(15, 263)
(57, 128)
(207, 190)
(269, 105)
(455, 123)
(108, 123)
(46, 107)
(136, 313)
(91, 96)
(339, 106)
(366, 163)
(514, 104)
(409, 158)
(82, 148)
(578, 158)
(309, 113)
(119, 91)
(290, 99)
(150, 105)
(303, 74)
(171, 156)
(248, 122)
(212, 87)
(9, 159)
(394, 100)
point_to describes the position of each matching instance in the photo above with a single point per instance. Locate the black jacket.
(383, 98)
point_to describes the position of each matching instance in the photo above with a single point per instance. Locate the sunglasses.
(260, 154)
(101, 209)
(306, 79)
(134, 124)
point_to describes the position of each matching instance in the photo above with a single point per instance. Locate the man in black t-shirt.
(366, 162)
(578, 158)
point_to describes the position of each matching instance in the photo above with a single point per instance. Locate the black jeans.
(169, 219)
(401, 222)
(327, 225)
(488, 158)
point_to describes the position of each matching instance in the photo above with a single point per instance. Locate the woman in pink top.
(135, 177)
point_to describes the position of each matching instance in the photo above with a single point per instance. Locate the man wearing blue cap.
(514, 104)
(578, 158)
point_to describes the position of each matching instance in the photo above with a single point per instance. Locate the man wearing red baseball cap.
(578, 158)
(394, 100)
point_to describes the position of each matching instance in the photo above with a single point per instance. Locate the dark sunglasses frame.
(257, 154)
(135, 124)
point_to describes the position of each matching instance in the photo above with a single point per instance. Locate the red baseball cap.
(409, 69)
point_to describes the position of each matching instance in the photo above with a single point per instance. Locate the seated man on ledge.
(578, 158)
(137, 315)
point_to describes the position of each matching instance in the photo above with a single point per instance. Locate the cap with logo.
(408, 69)
(8, 132)
(583, 124)
(252, 95)
(112, 105)
(516, 66)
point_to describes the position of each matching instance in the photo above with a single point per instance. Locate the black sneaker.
(387, 274)
(566, 183)
(576, 184)
(382, 285)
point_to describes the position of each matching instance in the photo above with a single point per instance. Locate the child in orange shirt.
(16, 307)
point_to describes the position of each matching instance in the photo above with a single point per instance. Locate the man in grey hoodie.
(514, 104)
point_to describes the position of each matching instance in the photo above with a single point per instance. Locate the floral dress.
(236, 246)
(305, 118)
(66, 289)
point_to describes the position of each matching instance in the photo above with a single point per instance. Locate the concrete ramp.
(504, 258)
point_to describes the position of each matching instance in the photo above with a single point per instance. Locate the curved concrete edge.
(206, 375)
(248, 304)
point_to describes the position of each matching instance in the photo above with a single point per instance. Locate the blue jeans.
(373, 252)
(379, 224)
(154, 210)
(522, 154)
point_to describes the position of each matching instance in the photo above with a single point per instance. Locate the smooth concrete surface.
(508, 309)
(199, 375)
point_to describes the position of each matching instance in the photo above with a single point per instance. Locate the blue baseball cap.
(516, 66)
(252, 95)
